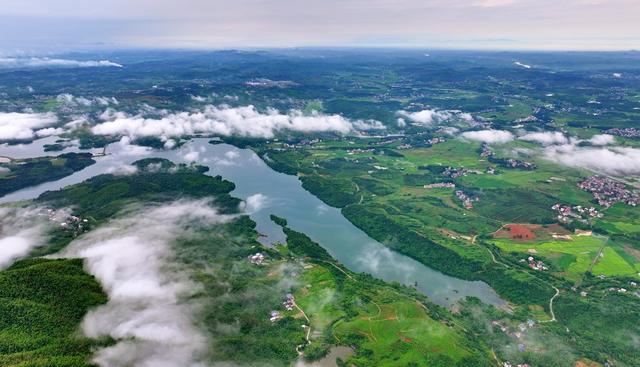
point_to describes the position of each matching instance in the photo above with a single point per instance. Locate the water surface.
(269, 192)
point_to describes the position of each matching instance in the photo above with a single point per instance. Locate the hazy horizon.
(38, 26)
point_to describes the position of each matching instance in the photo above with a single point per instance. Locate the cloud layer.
(241, 121)
(545, 138)
(613, 160)
(490, 136)
(45, 62)
(426, 117)
(22, 230)
(148, 312)
(23, 126)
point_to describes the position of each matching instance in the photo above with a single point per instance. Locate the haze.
(32, 26)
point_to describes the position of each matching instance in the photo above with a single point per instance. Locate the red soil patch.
(519, 232)
(404, 338)
(529, 232)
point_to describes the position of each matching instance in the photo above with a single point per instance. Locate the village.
(66, 221)
(518, 334)
(607, 192)
(567, 213)
(466, 200)
(629, 132)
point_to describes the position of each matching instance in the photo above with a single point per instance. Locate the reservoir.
(269, 192)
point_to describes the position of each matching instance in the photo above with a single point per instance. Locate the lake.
(269, 192)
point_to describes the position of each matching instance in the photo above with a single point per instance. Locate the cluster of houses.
(466, 200)
(517, 163)
(455, 172)
(440, 185)
(288, 304)
(629, 132)
(530, 118)
(257, 258)
(608, 192)
(535, 264)
(517, 334)
(360, 151)
(566, 213)
(486, 151)
(619, 290)
(268, 83)
(437, 140)
(65, 221)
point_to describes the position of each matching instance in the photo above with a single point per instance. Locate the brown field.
(519, 232)
(529, 232)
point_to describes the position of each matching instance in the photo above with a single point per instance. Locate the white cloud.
(22, 230)
(545, 138)
(21, 126)
(49, 132)
(426, 117)
(613, 160)
(199, 98)
(254, 203)
(490, 136)
(74, 101)
(150, 313)
(225, 120)
(602, 139)
(125, 148)
(518, 63)
(121, 169)
(44, 62)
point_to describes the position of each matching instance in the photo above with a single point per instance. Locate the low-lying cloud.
(610, 160)
(151, 313)
(24, 126)
(224, 120)
(70, 100)
(557, 138)
(431, 117)
(490, 136)
(254, 203)
(46, 62)
(22, 230)
(602, 139)
(545, 137)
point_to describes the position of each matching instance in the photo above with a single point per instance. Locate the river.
(270, 192)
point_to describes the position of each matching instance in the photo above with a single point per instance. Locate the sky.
(31, 26)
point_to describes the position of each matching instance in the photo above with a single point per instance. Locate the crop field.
(396, 329)
(572, 258)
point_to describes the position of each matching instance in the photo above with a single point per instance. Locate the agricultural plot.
(575, 256)
(390, 328)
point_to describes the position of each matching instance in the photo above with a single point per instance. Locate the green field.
(572, 258)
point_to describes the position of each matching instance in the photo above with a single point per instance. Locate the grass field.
(395, 329)
(572, 258)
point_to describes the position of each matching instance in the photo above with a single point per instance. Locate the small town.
(629, 132)
(607, 192)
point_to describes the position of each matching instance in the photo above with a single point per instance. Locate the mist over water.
(268, 192)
